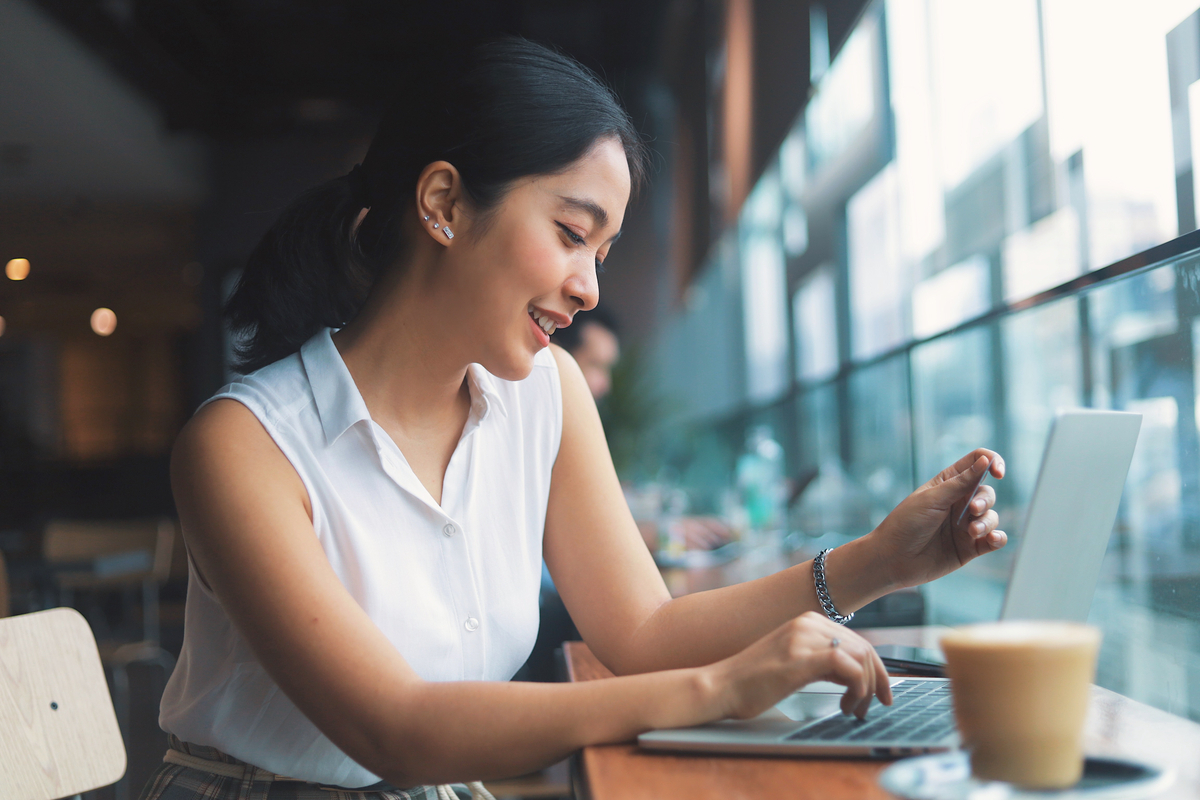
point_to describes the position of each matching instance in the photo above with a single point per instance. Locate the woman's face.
(534, 264)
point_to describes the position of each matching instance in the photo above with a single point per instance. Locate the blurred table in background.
(1116, 726)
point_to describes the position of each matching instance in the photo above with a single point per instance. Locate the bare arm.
(617, 598)
(247, 522)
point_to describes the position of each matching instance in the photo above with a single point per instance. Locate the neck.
(402, 357)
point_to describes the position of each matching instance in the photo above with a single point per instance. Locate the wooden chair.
(119, 555)
(58, 732)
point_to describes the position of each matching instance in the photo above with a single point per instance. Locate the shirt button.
(449, 529)
(471, 624)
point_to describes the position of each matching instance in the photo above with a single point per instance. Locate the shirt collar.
(340, 404)
(484, 396)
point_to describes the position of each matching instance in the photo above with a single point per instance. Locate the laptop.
(1070, 517)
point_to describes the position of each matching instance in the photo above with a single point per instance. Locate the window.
(878, 279)
(814, 315)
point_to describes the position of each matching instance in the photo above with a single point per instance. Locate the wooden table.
(1116, 726)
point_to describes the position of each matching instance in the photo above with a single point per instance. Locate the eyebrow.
(597, 212)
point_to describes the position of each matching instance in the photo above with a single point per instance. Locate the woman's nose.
(583, 289)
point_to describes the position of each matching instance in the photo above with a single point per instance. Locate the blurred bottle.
(671, 540)
(760, 480)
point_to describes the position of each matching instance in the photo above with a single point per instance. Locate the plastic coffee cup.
(1020, 694)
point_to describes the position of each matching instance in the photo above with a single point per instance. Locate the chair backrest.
(123, 552)
(58, 733)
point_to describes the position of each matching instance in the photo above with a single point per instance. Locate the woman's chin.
(515, 367)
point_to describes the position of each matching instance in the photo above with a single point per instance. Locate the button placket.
(466, 595)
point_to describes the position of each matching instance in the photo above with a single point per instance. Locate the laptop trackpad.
(803, 706)
(816, 700)
(812, 702)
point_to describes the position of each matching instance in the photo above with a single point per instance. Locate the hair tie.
(358, 186)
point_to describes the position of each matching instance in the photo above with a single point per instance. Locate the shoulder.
(560, 360)
(233, 437)
(223, 436)
(576, 397)
(223, 450)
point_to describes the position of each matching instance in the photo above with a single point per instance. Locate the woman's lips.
(542, 337)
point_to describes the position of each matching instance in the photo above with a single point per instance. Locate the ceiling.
(124, 119)
(129, 113)
(236, 67)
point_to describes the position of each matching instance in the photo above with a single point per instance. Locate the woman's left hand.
(922, 539)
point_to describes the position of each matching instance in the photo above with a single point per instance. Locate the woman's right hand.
(797, 653)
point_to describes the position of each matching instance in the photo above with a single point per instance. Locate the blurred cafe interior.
(877, 234)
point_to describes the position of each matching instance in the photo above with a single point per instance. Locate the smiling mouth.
(543, 322)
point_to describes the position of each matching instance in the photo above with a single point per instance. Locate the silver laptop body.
(1071, 515)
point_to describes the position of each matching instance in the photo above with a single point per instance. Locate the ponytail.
(303, 276)
(511, 109)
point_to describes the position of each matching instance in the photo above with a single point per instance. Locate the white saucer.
(947, 776)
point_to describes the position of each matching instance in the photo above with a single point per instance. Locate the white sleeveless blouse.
(453, 586)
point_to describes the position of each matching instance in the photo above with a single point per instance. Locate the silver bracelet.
(823, 590)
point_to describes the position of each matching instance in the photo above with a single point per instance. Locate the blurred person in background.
(593, 342)
(366, 510)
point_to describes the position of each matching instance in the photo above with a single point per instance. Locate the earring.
(449, 233)
(435, 226)
(427, 218)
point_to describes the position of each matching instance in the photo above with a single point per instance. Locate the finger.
(971, 463)
(982, 526)
(985, 498)
(883, 682)
(841, 668)
(998, 467)
(868, 687)
(868, 669)
(849, 672)
(957, 486)
(880, 686)
(996, 539)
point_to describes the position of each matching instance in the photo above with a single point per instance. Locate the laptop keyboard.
(921, 713)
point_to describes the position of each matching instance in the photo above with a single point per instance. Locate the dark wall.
(781, 73)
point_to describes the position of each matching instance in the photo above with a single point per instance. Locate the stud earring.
(435, 226)
(427, 218)
(449, 233)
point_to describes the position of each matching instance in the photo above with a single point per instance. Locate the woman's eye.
(572, 235)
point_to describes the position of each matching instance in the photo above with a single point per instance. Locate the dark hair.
(570, 338)
(511, 109)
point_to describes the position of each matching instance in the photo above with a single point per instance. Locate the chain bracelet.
(823, 590)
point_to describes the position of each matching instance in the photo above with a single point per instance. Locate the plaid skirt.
(179, 782)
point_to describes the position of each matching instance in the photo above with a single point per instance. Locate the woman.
(366, 510)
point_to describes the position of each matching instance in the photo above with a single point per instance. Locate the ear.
(440, 198)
